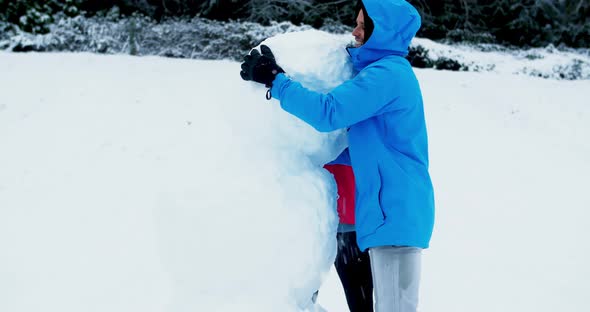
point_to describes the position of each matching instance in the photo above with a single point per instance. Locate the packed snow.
(153, 184)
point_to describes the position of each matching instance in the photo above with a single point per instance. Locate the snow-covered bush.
(574, 70)
(6, 31)
(549, 62)
(140, 35)
(418, 57)
(35, 21)
(175, 37)
(199, 38)
(335, 27)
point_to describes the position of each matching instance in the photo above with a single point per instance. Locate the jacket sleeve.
(372, 92)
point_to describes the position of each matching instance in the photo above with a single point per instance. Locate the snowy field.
(153, 184)
(547, 62)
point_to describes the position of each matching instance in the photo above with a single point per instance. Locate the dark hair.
(369, 25)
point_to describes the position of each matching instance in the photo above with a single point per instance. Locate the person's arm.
(374, 91)
(369, 94)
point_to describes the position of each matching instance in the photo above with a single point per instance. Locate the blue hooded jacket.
(388, 150)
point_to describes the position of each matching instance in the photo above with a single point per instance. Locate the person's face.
(359, 30)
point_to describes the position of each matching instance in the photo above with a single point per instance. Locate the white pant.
(396, 278)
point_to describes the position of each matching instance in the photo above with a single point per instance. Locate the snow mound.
(150, 184)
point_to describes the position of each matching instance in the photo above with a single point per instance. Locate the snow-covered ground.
(152, 184)
(548, 62)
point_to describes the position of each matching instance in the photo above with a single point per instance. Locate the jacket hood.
(396, 22)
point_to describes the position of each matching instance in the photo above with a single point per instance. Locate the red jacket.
(345, 181)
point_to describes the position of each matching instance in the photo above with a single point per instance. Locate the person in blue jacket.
(383, 110)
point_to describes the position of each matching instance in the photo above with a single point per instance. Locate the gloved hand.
(260, 68)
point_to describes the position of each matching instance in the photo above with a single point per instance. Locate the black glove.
(260, 68)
